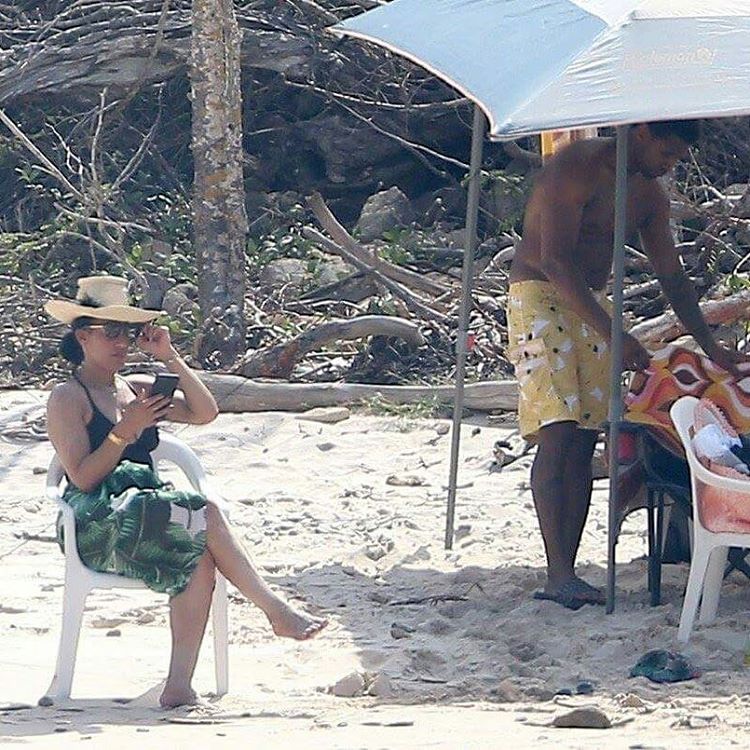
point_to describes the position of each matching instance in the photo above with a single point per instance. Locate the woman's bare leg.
(188, 614)
(233, 561)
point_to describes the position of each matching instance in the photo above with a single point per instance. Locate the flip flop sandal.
(568, 595)
(660, 665)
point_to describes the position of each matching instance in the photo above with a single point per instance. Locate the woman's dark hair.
(69, 346)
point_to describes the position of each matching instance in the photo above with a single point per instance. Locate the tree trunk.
(219, 220)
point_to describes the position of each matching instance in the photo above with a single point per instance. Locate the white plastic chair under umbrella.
(80, 580)
(709, 550)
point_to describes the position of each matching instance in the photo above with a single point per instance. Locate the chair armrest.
(711, 479)
(212, 495)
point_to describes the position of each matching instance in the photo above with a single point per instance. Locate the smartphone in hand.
(165, 384)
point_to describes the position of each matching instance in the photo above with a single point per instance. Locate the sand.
(347, 519)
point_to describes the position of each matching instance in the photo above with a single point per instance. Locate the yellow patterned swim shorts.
(562, 364)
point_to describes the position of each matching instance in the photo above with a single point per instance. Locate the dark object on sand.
(660, 665)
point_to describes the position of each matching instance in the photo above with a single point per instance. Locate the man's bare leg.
(188, 614)
(233, 561)
(551, 501)
(578, 486)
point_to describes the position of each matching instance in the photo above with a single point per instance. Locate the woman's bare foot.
(173, 697)
(291, 623)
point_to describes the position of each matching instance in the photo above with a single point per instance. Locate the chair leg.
(658, 546)
(652, 542)
(220, 623)
(698, 569)
(74, 600)
(712, 585)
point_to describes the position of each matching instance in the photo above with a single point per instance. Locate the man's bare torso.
(588, 168)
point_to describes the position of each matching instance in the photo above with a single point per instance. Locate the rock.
(375, 552)
(45, 701)
(386, 210)
(146, 618)
(350, 686)
(462, 531)
(116, 633)
(443, 428)
(331, 271)
(400, 631)
(631, 700)
(39, 470)
(326, 414)
(283, 272)
(381, 687)
(507, 692)
(583, 718)
(107, 622)
(180, 301)
(326, 446)
(405, 480)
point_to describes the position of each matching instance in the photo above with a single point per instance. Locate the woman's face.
(106, 342)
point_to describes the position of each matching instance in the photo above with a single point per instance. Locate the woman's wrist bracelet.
(120, 442)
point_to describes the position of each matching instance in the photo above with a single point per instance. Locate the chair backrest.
(709, 490)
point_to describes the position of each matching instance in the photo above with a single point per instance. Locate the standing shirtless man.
(559, 324)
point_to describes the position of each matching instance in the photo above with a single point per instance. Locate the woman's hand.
(155, 340)
(145, 411)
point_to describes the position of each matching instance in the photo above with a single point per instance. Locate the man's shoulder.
(577, 169)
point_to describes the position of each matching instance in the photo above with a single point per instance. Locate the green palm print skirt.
(137, 526)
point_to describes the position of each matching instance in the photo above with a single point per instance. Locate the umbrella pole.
(472, 214)
(615, 403)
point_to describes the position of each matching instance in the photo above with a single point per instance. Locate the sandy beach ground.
(348, 520)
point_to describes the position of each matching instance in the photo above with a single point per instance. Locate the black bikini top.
(99, 427)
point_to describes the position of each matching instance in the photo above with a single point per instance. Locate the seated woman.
(103, 428)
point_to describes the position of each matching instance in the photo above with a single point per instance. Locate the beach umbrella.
(536, 65)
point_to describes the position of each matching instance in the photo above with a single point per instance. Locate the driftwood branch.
(235, 393)
(667, 327)
(279, 361)
(342, 238)
(410, 299)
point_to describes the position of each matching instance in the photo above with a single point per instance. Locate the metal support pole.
(615, 403)
(472, 214)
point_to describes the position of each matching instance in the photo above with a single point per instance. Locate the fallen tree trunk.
(234, 393)
(666, 327)
(279, 361)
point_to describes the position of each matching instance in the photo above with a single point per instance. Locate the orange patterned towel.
(677, 372)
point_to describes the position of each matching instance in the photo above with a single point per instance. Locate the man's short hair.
(688, 131)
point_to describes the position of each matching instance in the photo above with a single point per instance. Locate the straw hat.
(103, 298)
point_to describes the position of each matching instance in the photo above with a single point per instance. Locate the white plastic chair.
(80, 580)
(709, 549)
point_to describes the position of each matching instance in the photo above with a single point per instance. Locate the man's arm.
(679, 290)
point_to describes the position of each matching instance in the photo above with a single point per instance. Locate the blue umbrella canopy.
(535, 65)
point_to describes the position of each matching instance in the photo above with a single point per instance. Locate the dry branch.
(667, 327)
(414, 303)
(279, 361)
(342, 238)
